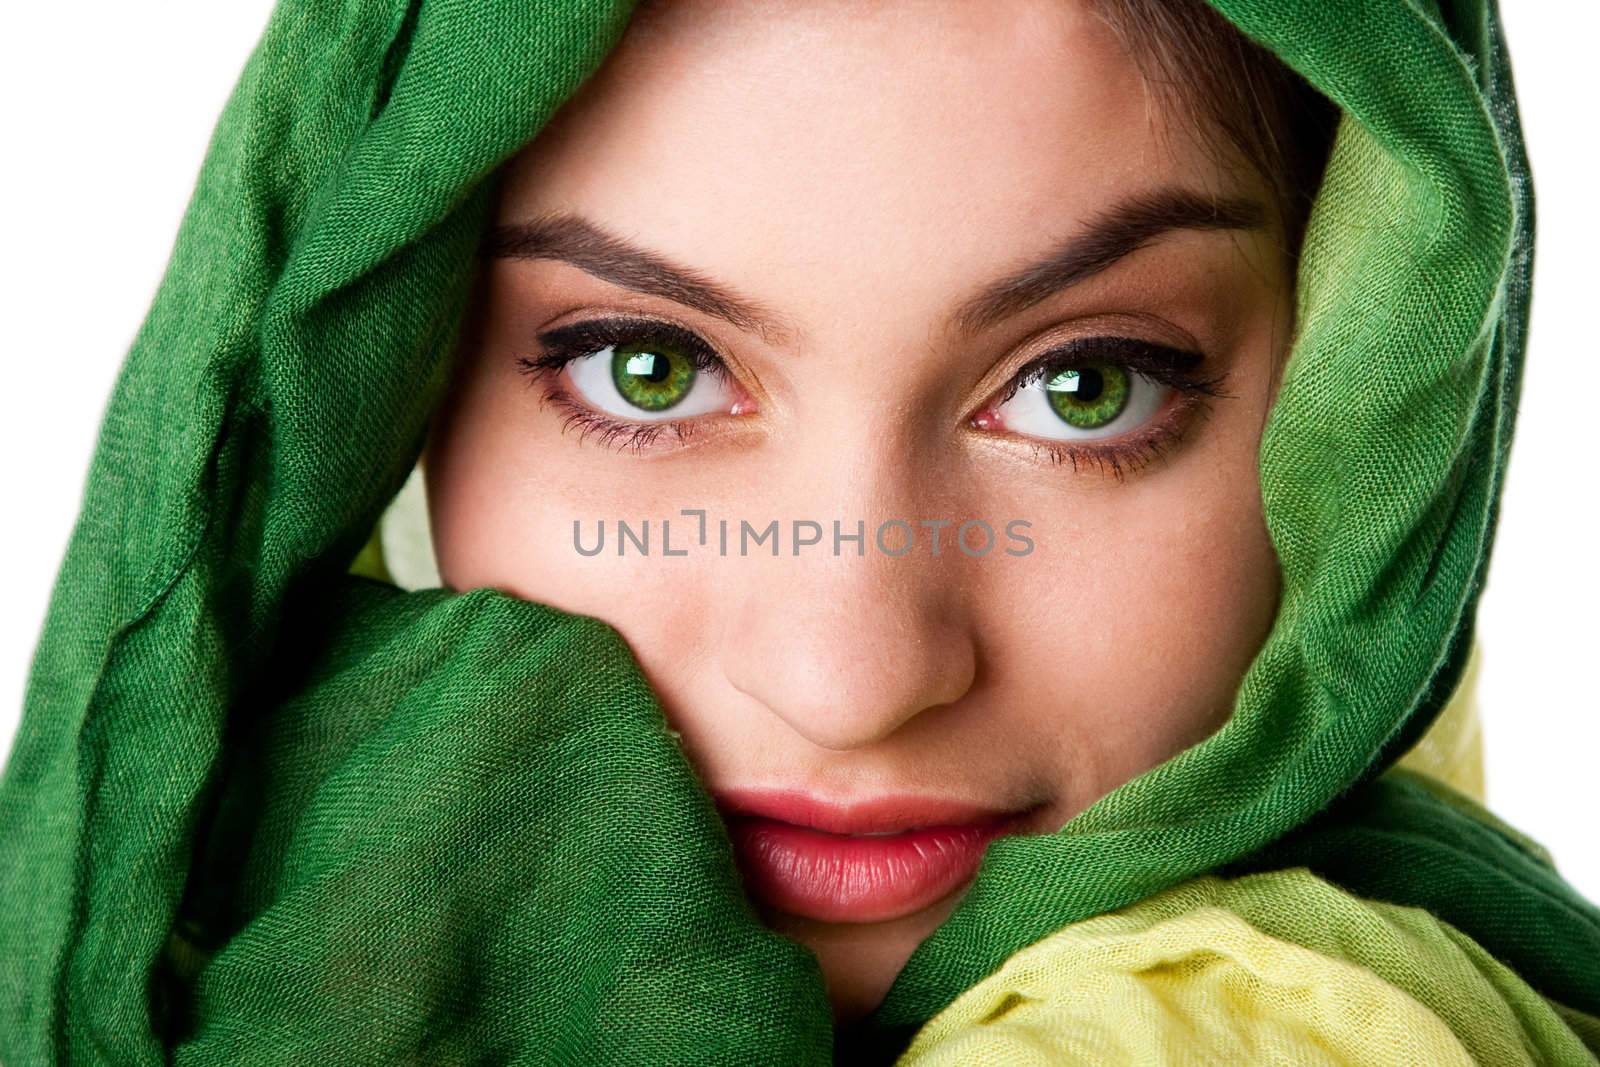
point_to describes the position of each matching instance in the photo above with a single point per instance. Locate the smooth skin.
(858, 174)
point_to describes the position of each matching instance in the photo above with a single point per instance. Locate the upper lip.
(883, 814)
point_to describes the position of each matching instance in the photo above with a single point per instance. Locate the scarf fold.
(259, 808)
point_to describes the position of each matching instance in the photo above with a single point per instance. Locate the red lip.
(806, 857)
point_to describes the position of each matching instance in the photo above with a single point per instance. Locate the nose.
(849, 649)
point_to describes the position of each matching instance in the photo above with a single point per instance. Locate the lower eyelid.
(1130, 451)
(1118, 461)
(588, 420)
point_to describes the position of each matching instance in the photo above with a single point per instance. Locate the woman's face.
(868, 224)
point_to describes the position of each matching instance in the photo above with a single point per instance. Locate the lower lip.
(855, 878)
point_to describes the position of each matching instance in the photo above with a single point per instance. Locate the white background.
(108, 109)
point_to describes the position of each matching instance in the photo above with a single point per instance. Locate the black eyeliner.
(1175, 367)
(566, 343)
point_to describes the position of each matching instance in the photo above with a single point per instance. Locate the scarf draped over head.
(263, 809)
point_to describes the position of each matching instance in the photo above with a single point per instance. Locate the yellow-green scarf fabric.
(1275, 967)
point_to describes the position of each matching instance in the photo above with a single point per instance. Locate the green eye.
(651, 375)
(1088, 397)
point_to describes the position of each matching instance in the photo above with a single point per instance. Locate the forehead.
(934, 142)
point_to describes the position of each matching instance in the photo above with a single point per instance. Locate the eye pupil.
(649, 366)
(1088, 397)
(1085, 384)
(651, 376)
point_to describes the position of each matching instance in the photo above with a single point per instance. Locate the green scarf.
(260, 809)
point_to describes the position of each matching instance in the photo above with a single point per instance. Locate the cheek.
(504, 488)
(1126, 634)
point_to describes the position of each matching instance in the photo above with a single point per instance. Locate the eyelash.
(1118, 456)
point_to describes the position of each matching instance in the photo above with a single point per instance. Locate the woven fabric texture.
(1279, 967)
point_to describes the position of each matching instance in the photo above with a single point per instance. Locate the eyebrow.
(1109, 236)
(576, 240)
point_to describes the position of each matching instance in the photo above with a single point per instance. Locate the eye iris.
(651, 376)
(1088, 397)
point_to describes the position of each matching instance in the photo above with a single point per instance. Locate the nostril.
(849, 651)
